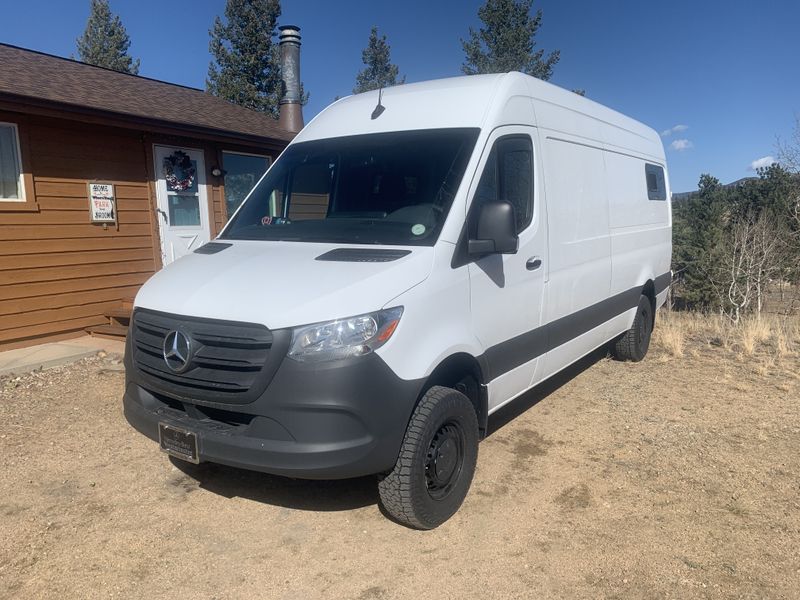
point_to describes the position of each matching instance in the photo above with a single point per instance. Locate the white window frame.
(21, 178)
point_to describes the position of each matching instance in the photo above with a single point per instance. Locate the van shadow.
(492, 266)
(297, 494)
(348, 494)
(531, 398)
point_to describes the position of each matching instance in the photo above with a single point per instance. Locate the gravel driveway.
(671, 478)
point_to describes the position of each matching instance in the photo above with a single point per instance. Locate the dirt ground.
(671, 478)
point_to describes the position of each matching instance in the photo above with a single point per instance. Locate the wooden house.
(105, 178)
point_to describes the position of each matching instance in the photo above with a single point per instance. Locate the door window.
(183, 196)
(184, 210)
(508, 176)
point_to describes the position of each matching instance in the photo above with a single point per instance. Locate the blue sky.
(725, 72)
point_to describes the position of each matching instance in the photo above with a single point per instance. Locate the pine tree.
(245, 68)
(698, 242)
(506, 41)
(378, 71)
(105, 42)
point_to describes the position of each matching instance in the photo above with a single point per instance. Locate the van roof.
(467, 101)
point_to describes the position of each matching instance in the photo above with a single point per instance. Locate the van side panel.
(435, 321)
(629, 207)
(641, 237)
(579, 245)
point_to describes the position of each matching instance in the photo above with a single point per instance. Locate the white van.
(412, 262)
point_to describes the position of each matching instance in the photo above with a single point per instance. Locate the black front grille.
(229, 360)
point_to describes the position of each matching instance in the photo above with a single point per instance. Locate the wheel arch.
(463, 372)
(649, 291)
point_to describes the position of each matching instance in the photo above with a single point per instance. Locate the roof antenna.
(380, 108)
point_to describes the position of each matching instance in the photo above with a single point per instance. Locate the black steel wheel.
(436, 463)
(444, 460)
(635, 342)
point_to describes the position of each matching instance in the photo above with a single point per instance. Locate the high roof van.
(417, 258)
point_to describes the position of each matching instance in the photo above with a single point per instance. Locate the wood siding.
(218, 209)
(59, 273)
(308, 206)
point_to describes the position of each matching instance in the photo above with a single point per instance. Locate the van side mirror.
(496, 231)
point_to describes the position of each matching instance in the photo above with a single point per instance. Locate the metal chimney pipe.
(291, 110)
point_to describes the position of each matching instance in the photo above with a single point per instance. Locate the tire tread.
(627, 347)
(397, 487)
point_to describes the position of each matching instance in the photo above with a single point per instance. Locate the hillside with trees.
(736, 246)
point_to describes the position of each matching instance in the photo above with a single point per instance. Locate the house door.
(181, 193)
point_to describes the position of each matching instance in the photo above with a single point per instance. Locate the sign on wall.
(102, 204)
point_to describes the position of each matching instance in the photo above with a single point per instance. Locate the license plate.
(178, 442)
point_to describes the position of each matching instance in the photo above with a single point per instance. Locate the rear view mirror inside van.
(496, 230)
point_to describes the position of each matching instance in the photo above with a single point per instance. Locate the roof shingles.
(29, 74)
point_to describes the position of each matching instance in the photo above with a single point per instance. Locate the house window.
(242, 172)
(656, 186)
(10, 165)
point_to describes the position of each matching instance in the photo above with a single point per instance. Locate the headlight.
(344, 338)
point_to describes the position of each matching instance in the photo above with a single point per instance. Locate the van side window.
(508, 176)
(656, 187)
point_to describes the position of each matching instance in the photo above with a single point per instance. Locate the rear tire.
(634, 343)
(436, 463)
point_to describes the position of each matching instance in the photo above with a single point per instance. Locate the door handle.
(533, 263)
(163, 214)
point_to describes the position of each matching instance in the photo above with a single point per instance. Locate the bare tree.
(793, 251)
(789, 157)
(753, 258)
(789, 149)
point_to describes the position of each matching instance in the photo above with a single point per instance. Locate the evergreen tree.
(105, 42)
(378, 71)
(698, 240)
(707, 239)
(245, 68)
(771, 192)
(506, 41)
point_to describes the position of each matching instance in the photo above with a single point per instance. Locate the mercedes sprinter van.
(414, 260)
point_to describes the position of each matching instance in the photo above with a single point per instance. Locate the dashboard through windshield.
(384, 188)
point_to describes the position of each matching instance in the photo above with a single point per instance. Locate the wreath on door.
(182, 161)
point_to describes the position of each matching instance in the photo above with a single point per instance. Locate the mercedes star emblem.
(177, 351)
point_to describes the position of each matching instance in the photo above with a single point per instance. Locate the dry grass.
(754, 332)
(678, 333)
(787, 337)
(672, 333)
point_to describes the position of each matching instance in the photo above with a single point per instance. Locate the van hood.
(281, 284)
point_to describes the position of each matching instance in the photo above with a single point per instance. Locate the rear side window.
(656, 186)
(508, 176)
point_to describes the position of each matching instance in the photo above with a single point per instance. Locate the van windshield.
(383, 188)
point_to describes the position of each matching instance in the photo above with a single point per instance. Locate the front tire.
(436, 463)
(634, 343)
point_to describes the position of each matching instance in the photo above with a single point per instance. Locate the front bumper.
(326, 421)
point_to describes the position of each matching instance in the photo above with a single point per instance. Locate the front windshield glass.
(383, 188)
